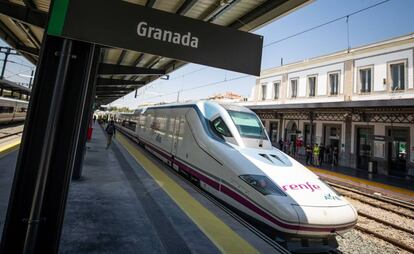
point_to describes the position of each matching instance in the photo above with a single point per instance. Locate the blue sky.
(388, 20)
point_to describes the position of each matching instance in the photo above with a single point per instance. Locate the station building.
(360, 100)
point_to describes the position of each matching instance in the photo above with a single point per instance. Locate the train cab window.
(248, 125)
(220, 128)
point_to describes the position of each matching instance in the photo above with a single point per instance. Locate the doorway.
(364, 147)
(273, 133)
(397, 150)
(290, 138)
(307, 136)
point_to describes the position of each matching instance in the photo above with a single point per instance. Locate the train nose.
(328, 219)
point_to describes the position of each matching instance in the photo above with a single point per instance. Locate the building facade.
(360, 101)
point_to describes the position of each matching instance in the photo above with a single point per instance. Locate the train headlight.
(262, 184)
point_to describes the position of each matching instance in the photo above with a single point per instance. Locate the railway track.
(391, 204)
(9, 131)
(10, 134)
(376, 216)
(379, 197)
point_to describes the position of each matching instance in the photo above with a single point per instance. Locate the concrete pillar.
(347, 158)
(281, 126)
(283, 88)
(348, 81)
(312, 141)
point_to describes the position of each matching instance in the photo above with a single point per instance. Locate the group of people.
(290, 147)
(319, 154)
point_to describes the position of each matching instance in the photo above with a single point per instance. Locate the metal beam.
(121, 58)
(114, 93)
(12, 40)
(186, 6)
(87, 118)
(113, 69)
(107, 96)
(115, 96)
(30, 4)
(113, 89)
(28, 50)
(150, 3)
(23, 14)
(221, 8)
(257, 12)
(117, 82)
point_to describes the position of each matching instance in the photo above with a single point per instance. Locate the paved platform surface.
(7, 166)
(118, 207)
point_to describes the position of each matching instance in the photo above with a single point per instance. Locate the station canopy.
(122, 71)
(14, 87)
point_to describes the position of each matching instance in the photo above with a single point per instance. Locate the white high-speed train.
(227, 151)
(12, 110)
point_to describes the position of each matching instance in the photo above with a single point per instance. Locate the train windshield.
(248, 125)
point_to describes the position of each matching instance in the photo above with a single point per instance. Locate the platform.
(128, 202)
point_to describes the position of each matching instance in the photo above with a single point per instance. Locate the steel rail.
(393, 241)
(11, 134)
(379, 205)
(398, 227)
(393, 201)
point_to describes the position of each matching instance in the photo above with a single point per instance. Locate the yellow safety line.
(363, 181)
(217, 231)
(9, 147)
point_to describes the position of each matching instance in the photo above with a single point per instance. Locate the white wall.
(268, 82)
(380, 72)
(322, 79)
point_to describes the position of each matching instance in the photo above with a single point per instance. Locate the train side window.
(220, 127)
(8, 110)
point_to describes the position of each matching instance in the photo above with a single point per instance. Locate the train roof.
(200, 104)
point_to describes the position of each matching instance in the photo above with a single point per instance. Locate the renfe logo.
(187, 40)
(301, 186)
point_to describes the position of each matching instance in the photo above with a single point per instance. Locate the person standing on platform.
(94, 119)
(308, 152)
(281, 144)
(316, 155)
(321, 154)
(335, 156)
(110, 131)
(328, 152)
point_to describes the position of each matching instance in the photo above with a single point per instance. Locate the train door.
(178, 126)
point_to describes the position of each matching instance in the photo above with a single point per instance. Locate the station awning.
(345, 105)
(9, 85)
(22, 25)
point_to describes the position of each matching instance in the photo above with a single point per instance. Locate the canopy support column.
(47, 152)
